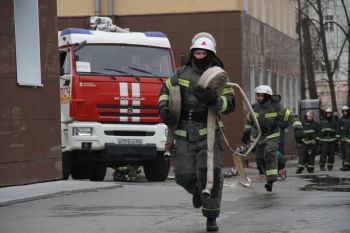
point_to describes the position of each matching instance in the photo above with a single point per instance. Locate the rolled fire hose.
(237, 156)
(214, 78)
(174, 108)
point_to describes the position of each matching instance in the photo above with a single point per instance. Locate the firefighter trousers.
(307, 157)
(266, 158)
(347, 155)
(191, 171)
(328, 151)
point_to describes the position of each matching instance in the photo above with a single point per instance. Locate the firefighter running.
(328, 128)
(307, 144)
(191, 134)
(269, 112)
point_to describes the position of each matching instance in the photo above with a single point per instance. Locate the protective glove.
(168, 118)
(206, 96)
(246, 137)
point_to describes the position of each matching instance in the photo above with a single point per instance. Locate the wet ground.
(307, 203)
(326, 183)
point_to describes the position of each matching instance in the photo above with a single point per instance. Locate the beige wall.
(146, 7)
(75, 7)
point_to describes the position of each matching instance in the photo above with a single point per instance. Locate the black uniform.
(328, 131)
(346, 136)
(340, 133)
(191, 138)
(308, 146)
(269, 114)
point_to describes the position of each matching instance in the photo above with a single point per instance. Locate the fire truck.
(109, 84)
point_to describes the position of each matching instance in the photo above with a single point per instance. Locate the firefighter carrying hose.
(328, 128)
(269, 113)
(308, 144)
(191, 133)
(340, 137)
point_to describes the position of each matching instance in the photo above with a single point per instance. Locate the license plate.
(129, 141)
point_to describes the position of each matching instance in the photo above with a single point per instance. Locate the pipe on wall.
(110, 7)
(97, 7)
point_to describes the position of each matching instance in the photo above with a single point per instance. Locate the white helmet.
(204, 40)
(263, 89)
(345, 108)
(328, 110)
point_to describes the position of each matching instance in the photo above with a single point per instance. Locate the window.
(328, 23)
(28, 64)
(261, 76)
(252, 84)
(329, 26)
(65, 63)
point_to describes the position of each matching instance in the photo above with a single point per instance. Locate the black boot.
(310, 170)
(268, 186)
(322, 168)
(299, 170)
(211, 224)
(345, 168)
(196, 200)
(330, 167)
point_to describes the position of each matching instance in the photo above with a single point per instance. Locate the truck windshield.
(123, 60)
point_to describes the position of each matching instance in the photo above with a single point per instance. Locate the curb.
(55, 194)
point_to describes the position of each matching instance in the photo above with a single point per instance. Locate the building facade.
(30, 142)
(256, 40)
(336, 28)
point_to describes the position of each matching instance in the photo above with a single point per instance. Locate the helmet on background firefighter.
(263, 89)
(329, 110)
(309, 115)
(345, 108)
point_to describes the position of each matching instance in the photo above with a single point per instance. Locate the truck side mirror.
(61, 71)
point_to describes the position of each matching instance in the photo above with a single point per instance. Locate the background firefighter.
(346, 136)
(269, 112)
(340, 137)
(191, 133)
(328, 128)
(308, 143)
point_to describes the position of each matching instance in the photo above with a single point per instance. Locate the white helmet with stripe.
(204, 40)
(328, 110)
(263, 89)
(345, 108)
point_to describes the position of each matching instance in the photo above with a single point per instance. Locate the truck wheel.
(157, 169)
(66, 165)
(98, 172)
(81, 169)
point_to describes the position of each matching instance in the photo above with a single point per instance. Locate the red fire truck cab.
(110, 83)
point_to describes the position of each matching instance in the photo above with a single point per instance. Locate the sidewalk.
(23, 193)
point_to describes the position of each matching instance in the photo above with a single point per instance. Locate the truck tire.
(98, 172)
(81, 169)
(66, 165)
(157, 169)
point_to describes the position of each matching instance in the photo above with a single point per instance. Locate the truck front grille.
(129, 133)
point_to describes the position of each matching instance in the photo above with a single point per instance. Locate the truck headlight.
(82, 131)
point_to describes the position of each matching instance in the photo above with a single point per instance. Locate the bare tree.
(309, 59)
(301, 52)
(319, 26)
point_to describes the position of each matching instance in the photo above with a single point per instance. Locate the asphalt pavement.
(23, 193)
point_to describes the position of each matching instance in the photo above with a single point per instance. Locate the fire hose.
(215, 78)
